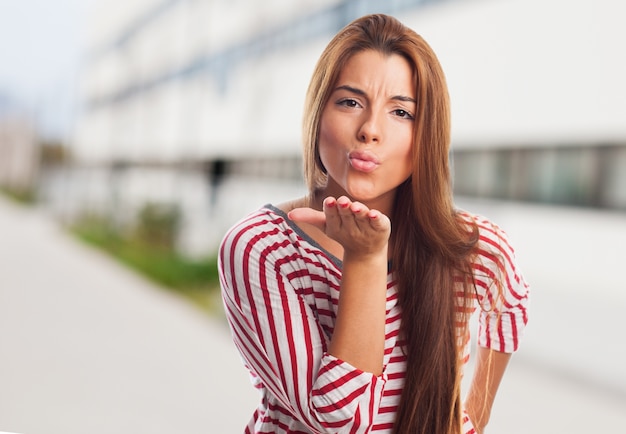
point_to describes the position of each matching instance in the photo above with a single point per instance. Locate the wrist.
(366, 257)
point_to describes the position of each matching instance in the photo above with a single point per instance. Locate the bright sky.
(40, 46)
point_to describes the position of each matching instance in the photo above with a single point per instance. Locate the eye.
(403, 114)
(348, 102)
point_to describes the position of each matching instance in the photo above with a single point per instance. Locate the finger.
(378, 220)
(329, 202)
(344, 208)
(308, 215)
(359, 214)
(331, 210)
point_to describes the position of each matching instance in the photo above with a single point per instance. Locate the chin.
(362, 197)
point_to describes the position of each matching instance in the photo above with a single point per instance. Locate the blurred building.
(19, 153)
(199, 102)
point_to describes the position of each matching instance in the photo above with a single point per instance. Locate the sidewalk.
(88, 347)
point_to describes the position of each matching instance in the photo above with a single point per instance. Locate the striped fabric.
(280, 291)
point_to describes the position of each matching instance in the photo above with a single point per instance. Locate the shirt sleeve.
(278, 336)
(501, 290)
(467, 425)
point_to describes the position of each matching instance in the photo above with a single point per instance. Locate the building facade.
(199, 102)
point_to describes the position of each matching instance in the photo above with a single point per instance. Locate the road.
(89, 347)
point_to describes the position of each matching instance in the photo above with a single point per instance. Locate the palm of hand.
(359, 230)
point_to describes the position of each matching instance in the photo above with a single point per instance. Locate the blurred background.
(147, 127)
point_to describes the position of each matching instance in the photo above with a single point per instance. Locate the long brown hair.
(430, 245)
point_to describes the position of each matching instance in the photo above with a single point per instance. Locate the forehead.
(372, 68)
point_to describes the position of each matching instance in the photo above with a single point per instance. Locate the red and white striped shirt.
(280, 292)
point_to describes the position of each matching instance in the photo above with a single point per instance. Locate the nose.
(371, 129)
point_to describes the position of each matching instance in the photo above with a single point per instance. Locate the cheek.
(328, 141)
(327, 132)
(327, 154)
(405, 155)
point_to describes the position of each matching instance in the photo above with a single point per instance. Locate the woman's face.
(366, 129)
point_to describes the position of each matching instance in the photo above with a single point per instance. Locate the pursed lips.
(363, 161)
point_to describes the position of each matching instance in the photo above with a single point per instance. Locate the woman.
(345, 324)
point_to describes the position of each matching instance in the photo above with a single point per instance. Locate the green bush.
(23, 196)
(149, 249)
(158, 225)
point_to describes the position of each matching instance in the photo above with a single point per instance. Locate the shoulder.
(260, 226)
(495, 257)
(491, 237)
(494, 254)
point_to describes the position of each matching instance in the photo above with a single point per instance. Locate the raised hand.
(359, 230)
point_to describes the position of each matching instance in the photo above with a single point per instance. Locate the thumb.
(308, 215)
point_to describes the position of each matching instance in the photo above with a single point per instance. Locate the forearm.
(363, 234)
(488, 373)
(359, 335)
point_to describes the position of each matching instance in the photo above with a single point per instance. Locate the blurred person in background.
(345, 324)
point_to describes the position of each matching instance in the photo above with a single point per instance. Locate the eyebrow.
(362, 93)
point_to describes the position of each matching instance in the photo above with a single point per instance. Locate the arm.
(503, 296)
(277, 332)
(488, 372)
(359, 333)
